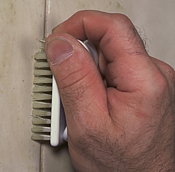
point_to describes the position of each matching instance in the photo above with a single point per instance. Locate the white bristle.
(41, 96)
(40, 121)
(41, 89)
(39, 105)
(41, 64)
(40, 56)
(39, 112)
(40, 129)
(42, 80)
(40, 72)
(40, 137)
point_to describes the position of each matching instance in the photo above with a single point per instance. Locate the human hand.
(127, 125)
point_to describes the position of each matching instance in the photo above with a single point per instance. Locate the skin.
(127, 125)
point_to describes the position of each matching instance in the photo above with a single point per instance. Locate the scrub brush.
(48, 113)
(46, 101)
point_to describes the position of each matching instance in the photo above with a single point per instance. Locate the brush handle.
(55, 115)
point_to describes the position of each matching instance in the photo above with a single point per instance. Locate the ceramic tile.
(153, 20)
(155, 24)
(55, 159)
(21, 26)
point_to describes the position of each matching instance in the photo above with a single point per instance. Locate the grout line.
(45, 34)
(47, 17)
(41, 158)
(41, 165)
(47, 11)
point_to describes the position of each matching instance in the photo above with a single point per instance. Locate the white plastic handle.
(55, 115)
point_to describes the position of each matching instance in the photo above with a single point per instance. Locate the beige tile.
(154, 20)
(21, 26)
(64, 9)
(155, 23)
(55, 159)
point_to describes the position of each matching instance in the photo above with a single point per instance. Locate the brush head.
(42, 98)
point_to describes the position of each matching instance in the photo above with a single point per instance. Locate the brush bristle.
(42, 98)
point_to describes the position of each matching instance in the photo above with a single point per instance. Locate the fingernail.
(58, 49)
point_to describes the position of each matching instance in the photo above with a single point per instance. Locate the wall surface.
(21, 27)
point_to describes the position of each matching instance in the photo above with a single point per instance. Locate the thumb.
(80, 85)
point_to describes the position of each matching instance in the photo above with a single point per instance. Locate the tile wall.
(21, 27)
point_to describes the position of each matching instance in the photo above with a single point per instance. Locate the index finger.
(114, 32)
